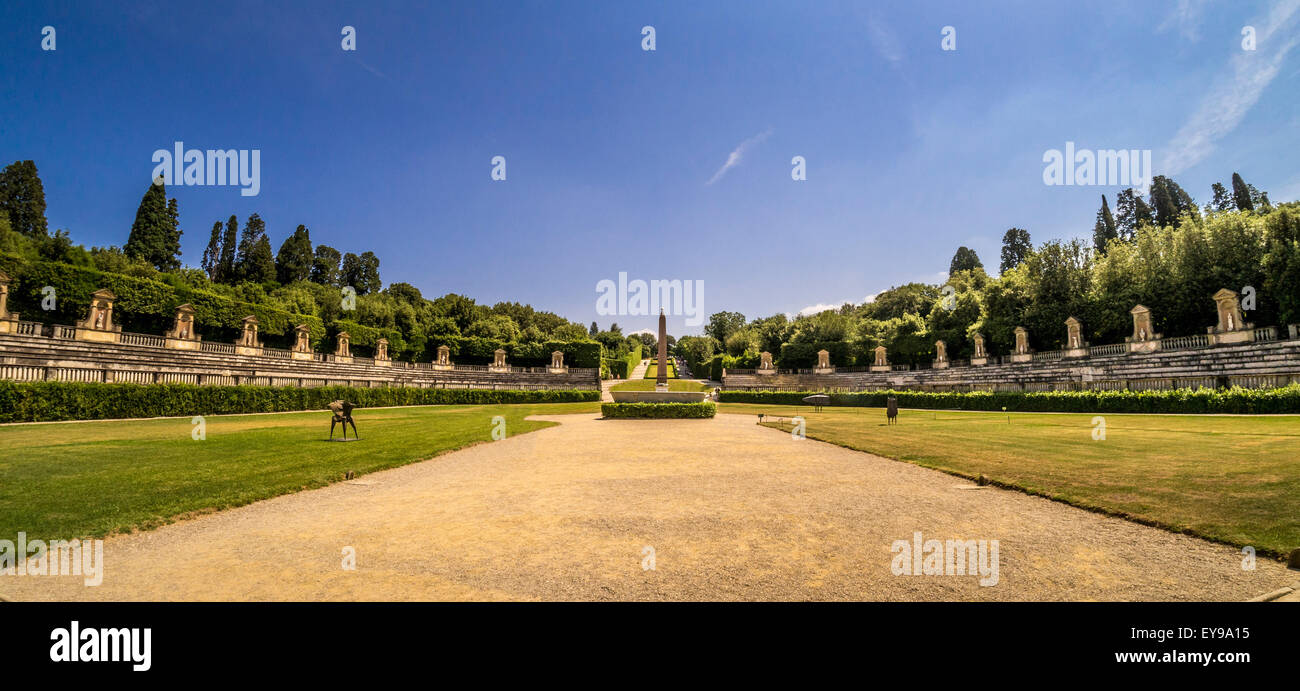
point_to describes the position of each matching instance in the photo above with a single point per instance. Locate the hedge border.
(55, 401)
(1240, 401)
(661, 411)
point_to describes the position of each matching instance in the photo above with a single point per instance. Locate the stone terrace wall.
(1252, 365)
(37, 358)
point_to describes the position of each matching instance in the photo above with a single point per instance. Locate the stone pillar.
(444, 359)
(661, 370)
(182, 335)
(1075, 346)
(342, 347)
(499, 361)
(381, 353)
(557, 363)
(1231, 327)
(98, 325)
(882, 360)
(824, 365)
(301, 343)
(981, 356)
(249, 343)
(1022, 353)
(8, 320)
(1144, 338)
(765, 364)
(940, 355)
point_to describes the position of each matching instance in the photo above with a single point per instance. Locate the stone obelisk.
(661, 370)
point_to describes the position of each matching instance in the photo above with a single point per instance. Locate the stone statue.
(343, 414)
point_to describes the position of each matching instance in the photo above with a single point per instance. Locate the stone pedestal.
(381, 353)
(443, 363)
(98, 325)
(1231, 327)
(881, 363)
(249, 343)
(1148, 346)
(824, 365)
(939, 364)
(557, 363)
(979, 361)
(8, 320)
(1022, 353)
(1022, 357)
(499, 361)
(182, 336)
(765, 364)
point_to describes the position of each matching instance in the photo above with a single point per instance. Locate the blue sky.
(616, 157)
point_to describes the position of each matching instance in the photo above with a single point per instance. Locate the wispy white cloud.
(1186, 18)
(822, 307)
(884, 40)
(733, 159)
(1233, 94)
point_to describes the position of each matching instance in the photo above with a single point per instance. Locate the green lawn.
(1230, 478)
(649, 385)
(653, 370)
(89, 479)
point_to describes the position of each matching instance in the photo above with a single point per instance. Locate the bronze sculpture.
(343, 413)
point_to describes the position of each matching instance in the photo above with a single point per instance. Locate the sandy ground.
(731, 510)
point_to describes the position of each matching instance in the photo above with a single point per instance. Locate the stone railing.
(220, 348)
(1049, 355)
(61, 331)
(277, 353)
(1105, 350)
(1185, 342)
(30, 328)
(1266, 333)
(143, 340)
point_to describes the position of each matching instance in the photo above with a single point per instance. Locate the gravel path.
(732, 511)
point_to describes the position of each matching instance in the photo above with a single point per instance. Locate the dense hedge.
(658, 410)
(44, 401)
(622, 367)
(1235, 400)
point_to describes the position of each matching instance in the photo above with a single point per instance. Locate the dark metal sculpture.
(817, 401)
(343, 413)
(891, 410)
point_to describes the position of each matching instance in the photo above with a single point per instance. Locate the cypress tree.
(229, 245)
(1104, 230)
(22, 196)
(1015, 247)
(212, 254)
(1241, 194)
(154, 236)
(294, 260)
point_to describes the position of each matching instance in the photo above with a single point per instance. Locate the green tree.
(155, 237)
(1132, 213)
(1241, 194)
(22, 196)
(1222, 200)
(325, 265)
(1104, 230)
(723, 324)
(965, 259)
(229, 247)
(212, 254)
(1170, 202)
(255, 262)
(361, 272)
(294, 261)
(1015, 247)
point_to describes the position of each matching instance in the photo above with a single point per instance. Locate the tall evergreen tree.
(252, 263)
(361, 272)
(1241, 194)
(1104, 230)
(212, 254)
(595, 329)
(1222, 200)
(325, 265)
(964, 259)
(155, 237)
(294, 260)
(1016, 246)
(229, 248)
(22, 196)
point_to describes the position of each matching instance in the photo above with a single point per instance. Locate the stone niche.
(8, 320)
(940, 355)
(1022, 352)
(824, 365)
(381, 353)
(249, 343)
(499, 361)
(182, 335)
(98, 325)
(1075, 346)
(765, 364)
(557, 363)
(444, 359)
(302, 343)
(981, 356)
(881, 363)
(1231, 327)
(1144, 338)
(342, 347)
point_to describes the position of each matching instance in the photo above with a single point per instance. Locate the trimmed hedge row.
(47, 401)
(621, 367)
(658, 410)
(1235, 400)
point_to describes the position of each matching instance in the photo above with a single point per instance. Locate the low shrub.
(1234, 400)
(658, 410)
(52, 400)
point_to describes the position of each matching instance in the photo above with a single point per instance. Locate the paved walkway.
(731, 510)
(637, 373)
